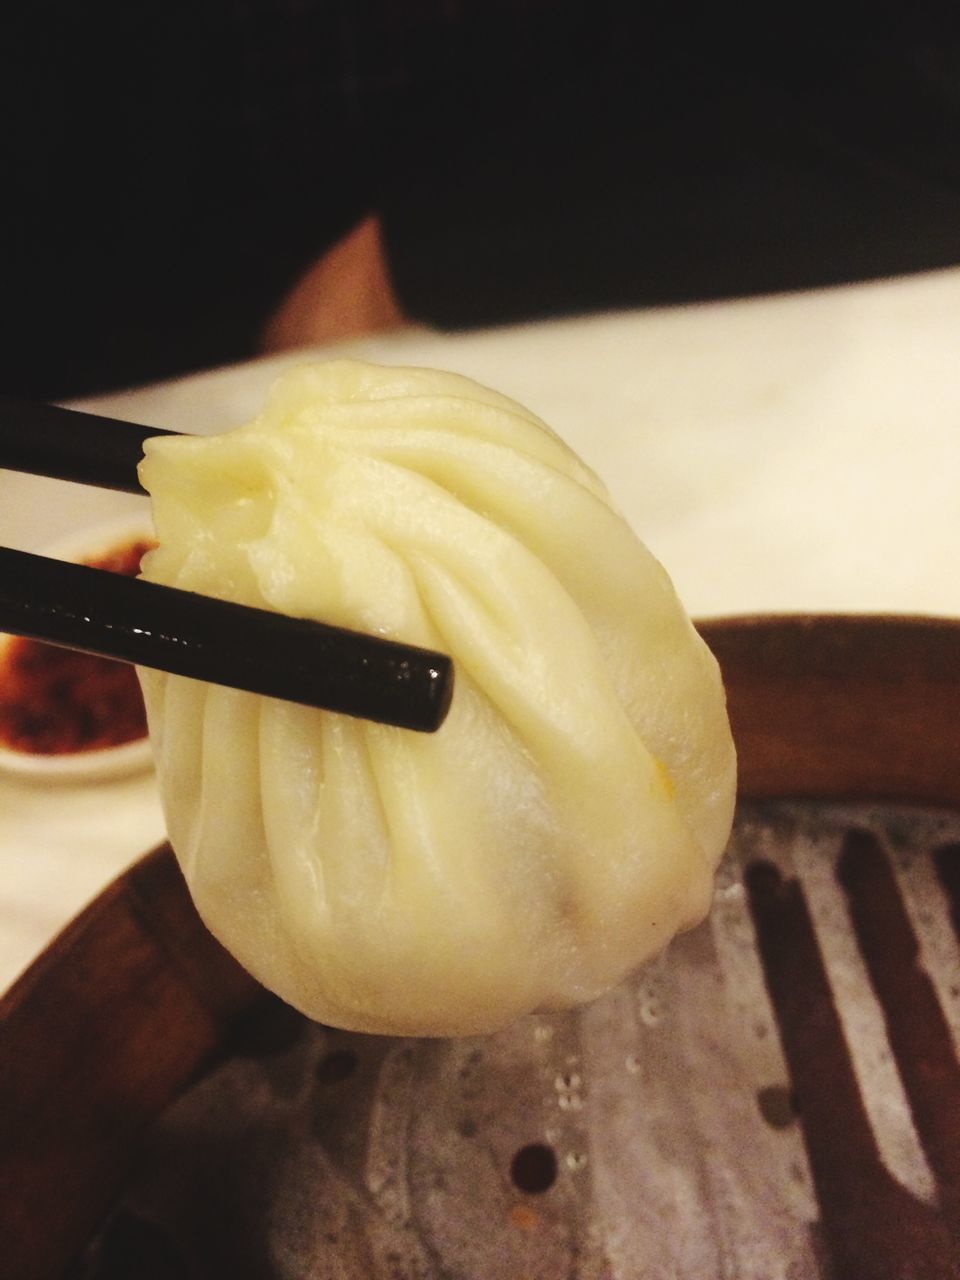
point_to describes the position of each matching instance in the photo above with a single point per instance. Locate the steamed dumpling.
(566, 819)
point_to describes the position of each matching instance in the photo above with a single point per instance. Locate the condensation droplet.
(725, 876)
(567, 1082)
(731, 892)
(651, 1011)
(570, 1102)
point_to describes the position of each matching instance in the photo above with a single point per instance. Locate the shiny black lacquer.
(224, 643)
(182, 632)
(66, 444)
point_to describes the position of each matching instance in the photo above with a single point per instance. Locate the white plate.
(101, 765)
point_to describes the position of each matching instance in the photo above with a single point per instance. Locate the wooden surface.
(134, 998)
(97, 1037)
(844, 706)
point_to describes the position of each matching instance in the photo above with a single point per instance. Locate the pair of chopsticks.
(187, 634)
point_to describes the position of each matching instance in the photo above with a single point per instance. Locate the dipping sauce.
(56, 701)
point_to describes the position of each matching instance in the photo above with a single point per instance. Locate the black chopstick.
(182, 632)
(67, 444)
(187, 634)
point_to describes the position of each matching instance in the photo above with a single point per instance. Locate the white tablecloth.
(783, 454)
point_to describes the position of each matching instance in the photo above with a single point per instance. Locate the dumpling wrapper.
(565, 821)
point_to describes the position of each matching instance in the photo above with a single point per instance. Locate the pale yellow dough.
(567, 818)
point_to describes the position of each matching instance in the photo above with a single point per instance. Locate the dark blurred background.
(180, 178)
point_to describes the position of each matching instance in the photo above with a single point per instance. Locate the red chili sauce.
(55, 701)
